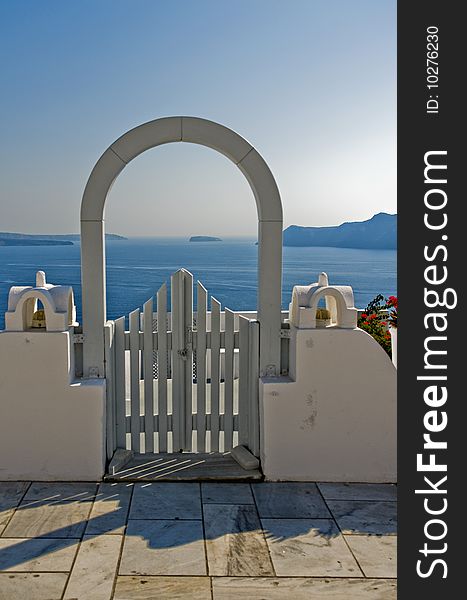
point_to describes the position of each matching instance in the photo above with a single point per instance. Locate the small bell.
(38, 319)
(323, 317)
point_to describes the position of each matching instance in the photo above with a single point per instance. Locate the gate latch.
(183, 353)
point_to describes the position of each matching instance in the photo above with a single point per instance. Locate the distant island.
(379, 232)
(204, 238)
(26, 239)
(28, 242)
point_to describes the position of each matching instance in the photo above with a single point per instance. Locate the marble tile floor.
(217, 541)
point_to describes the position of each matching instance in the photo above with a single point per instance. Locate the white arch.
(268, 204)
(27, 304)
(339, 301)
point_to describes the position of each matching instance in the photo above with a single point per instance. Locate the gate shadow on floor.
(171, 515)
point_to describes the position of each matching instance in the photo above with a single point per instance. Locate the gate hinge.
(183, 353)
(78, 338)
(285, 333)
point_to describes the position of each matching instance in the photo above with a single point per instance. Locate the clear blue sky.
(310, 83)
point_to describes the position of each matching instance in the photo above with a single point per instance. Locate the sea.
(137, 267)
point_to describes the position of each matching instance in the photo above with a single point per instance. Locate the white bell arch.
(269, 208)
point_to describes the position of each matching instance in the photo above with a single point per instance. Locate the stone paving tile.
(109, 512)
(304, 555)
(300, 588)
(165, 588)
(163, 548)
(11, 493)
(226, 493)
(166, 501)
(358, 491)
(32, 586)
(359, 517)
(56, 510)
(235, 544)
(289, 500)
(37, 554)
(376, 555)
(95, 568)
(309, 548)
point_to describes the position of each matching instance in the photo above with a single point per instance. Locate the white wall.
(334, 419)
(52, 428)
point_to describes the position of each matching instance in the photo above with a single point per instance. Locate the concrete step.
(183, 467)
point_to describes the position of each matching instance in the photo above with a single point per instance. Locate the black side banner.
(431, 326)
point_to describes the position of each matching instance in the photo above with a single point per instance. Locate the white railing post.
(93, 300)
(253, 412)
(111, 441)
(270, 295)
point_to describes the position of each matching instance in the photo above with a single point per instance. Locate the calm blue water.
(136, 268)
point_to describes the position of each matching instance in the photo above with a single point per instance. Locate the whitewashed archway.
(268, 203)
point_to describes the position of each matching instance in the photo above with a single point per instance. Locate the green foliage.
(374, 320)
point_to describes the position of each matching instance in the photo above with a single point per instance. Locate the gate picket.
(178, 379)
(228, 379)
(187, 309)
(243, 392)
(135, 379)
(215, 379)
(148, 361)
(162, 366)
(201, 301)
(120, 395)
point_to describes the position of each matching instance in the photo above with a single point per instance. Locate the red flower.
(364, 316)
(372, 317)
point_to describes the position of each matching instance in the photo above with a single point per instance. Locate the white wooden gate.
(180, 380)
